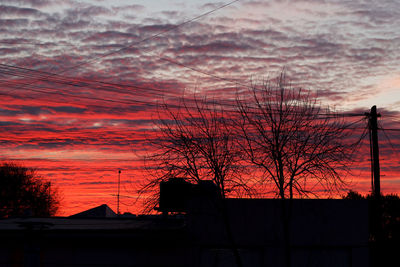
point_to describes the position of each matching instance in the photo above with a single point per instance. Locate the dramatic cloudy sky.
(117, 60)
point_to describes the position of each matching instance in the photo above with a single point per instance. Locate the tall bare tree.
(297, 144)
(294, 144)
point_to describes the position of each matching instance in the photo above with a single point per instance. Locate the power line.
(142, 40)
(153, 36)
(385, 129)
(390, 142)
(75, 82)
(321, 116)
(86, 97)
(166, 59)
(63, 80)
(234, 81)
(204, 72)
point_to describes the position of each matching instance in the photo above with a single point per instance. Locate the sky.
(81, 81)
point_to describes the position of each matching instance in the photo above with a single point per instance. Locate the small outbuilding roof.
(102, 211)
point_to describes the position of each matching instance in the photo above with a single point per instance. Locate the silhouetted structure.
(176, 194)
(324, 233)
(102, 211)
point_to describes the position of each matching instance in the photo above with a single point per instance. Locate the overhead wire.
(129, 46)
(67, 82)
(387, 129)
(73, 82)
(237, 82)
(156, 104)
(76, 82)
(390, 142)
(86, 62)
(80, 82)
(48, 74)
(163, 58)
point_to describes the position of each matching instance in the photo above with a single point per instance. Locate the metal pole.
(119, 182)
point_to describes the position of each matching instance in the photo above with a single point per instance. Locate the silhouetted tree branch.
(196, 143)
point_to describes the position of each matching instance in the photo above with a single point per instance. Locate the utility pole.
(376, 204)
(119, 182)
(373, 129)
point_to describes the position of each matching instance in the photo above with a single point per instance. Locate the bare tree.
(196, 143)
(295, 143)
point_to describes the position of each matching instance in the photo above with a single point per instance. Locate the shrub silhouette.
(24, 193)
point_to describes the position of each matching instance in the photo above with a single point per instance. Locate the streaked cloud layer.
(117, 61)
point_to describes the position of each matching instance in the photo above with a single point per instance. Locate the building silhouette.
(322, 233)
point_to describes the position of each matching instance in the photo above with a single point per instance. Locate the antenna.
(119, 183)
